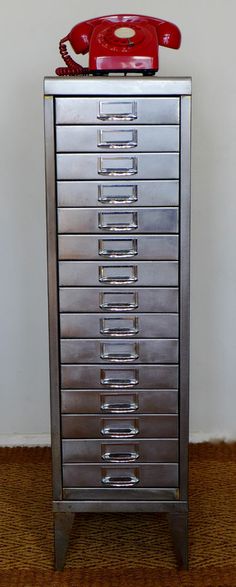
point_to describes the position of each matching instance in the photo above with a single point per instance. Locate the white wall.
(29, 40)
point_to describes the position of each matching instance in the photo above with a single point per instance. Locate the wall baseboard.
(45, 439)
(196, 437)
(25, 440)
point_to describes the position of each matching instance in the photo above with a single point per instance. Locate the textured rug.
(117, 550)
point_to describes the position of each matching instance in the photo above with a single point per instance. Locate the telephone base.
(124, 71)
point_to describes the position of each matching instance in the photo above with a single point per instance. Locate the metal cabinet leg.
(179, 529)
(63, 522)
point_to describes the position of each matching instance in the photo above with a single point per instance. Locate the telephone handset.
(118, 43)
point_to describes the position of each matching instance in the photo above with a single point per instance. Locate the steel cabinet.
(118, 201)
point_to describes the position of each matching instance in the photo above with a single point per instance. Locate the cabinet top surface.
(106, 86)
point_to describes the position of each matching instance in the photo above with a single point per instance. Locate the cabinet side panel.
(53, 295)
(184, 291)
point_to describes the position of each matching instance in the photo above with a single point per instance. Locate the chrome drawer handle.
(119, 307)
(128, 111)
(120, 457)
(119, 432)
(105, 168)
(117, 117)
(114, 382)
(118, 383)
(117, 144)
(122, 481)
(116, 307)
(119, 357)
(117, 226)
(118, 199)
(119, 408)
(118, 279)
(117, 254)
(122, 331)
(118, 172)
(115, 358)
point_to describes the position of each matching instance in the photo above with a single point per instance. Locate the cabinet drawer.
(163, 475)
(119, 494)
(73, 220)
(74, 426)
(124, 273)
(73, 299)
(119, 325)
(129, 193)
(122, 377)
(77, 247)
(112, 402)
(87, 139)
(142, 166)
(140, 451)
(117, 110)
(123, 351)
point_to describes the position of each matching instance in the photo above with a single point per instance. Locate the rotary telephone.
(118, 43)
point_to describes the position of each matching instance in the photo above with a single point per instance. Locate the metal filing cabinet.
(118, 195)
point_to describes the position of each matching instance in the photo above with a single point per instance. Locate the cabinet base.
(63, 522)
(179, 529)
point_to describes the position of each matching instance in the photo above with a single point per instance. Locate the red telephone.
(118, 43)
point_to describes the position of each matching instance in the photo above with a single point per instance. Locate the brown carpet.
(117, 550)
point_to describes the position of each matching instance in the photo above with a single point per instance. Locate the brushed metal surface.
(82, 220)
(160, 475)
(185, 298)
(106, 351)
(54, 368)
(100, 451)
(77, 247)
(120, 500)
(92, 402)
(148, 273)
(140, 165)
(79, 110)
(74, 299)
(118, 324)
(95, 376)
(114, 193)
(119, 427)
(88, 139)
(118, 85)
(118, 488)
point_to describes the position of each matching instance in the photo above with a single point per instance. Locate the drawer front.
(87, 139)
(125, 427)
(163, 475)
(142, 166)
(140, 451)
(122, 377)
(119, 325)
(117, 110)
(152, 273)
(113, 402)
(130, 193)
(123, 351)
(72, 220)
(136, 494)
(74, 299)
(74, 247)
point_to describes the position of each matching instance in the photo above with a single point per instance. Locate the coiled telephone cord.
(72, 68)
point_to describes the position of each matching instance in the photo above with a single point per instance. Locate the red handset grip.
(169, 35)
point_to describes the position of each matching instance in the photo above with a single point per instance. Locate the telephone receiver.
(118, 43)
